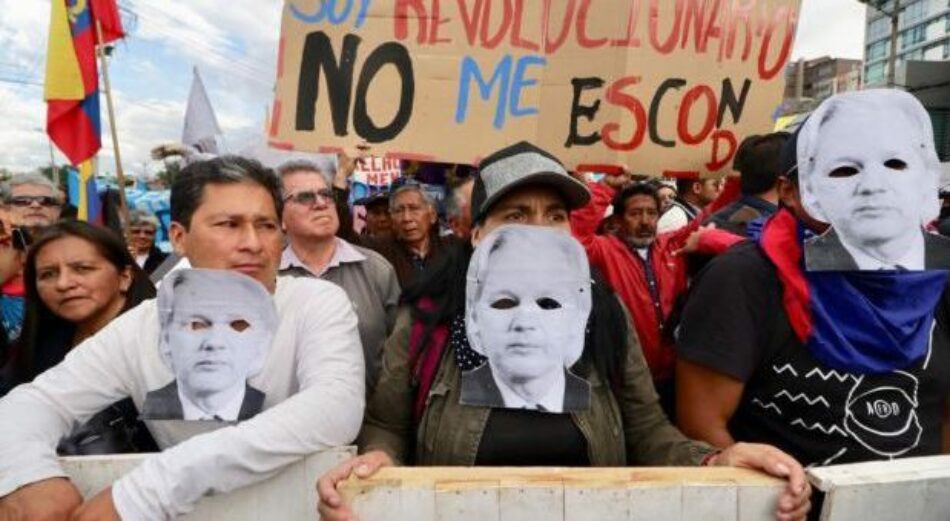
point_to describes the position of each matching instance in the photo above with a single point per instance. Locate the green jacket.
(633, 430)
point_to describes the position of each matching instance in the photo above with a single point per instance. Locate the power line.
(19, 81)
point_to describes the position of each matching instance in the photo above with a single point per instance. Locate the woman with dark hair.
(78, 278)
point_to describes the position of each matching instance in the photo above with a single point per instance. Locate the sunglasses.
(25, 201)
(142, 231)
(311, 197)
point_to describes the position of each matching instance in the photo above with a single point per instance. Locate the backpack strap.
(426, 346)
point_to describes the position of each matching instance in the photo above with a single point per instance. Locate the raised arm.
(729, 194)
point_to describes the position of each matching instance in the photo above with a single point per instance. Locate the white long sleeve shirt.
(313, 379)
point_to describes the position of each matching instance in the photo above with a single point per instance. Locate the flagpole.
(120, 176)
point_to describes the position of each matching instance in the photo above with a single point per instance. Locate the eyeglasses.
(311, 197)
(142, 231)
(25, 201)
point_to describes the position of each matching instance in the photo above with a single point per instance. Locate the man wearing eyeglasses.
(311, 222)
(32, 201)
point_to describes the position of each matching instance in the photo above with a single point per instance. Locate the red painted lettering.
(582, 38)
(717, 162)
(553, 44)
(633, 17)
(402, 19)
(516, 39)
(713, 27)
(616, 96)
(669, 44)
(437, 22)
(470, 19)
(790, 20)
(712, 109)
(741, 12)
(490, 42)
(695, 18)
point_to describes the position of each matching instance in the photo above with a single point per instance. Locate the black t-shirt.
(734, 322)
(515, 438)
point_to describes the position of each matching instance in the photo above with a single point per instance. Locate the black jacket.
(164, 403)
(478, 386)
(826, 253)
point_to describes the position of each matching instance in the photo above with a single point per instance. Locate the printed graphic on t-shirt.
(838, 411)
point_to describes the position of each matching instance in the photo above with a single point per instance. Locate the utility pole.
(894, 14)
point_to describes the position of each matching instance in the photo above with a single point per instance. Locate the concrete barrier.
(913, 489)
(288, 496)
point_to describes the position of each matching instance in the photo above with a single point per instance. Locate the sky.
(234, 45)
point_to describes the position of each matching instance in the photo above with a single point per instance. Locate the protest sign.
(665, 86)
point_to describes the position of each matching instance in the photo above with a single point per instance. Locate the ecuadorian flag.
(72, 89)
(84, 193)
(72, 86)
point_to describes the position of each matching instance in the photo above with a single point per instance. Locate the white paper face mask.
(867, 167)
(527, 305)
(217, 327)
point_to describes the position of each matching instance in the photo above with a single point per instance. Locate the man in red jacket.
(643, 268)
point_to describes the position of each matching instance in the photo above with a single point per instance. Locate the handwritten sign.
(377, 171)
(663, 86)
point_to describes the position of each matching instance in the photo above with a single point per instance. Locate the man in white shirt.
(226, 215)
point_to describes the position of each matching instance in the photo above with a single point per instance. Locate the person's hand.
(692, 242)
(795, 501)
(346, 164)
(99, 508)
(331, 506)
(52, 499)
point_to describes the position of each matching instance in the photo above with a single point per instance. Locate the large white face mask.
(528, 300)
(868, 167)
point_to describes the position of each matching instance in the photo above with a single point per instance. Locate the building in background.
(821, 78)
(924, 35)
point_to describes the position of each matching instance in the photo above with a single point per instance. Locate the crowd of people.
(675, 321)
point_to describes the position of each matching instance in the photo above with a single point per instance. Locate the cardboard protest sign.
(527, 301)
(216, 331)
(867, 165)
(377, 172)
(662, 86)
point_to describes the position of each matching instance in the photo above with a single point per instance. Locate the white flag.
(200, 124)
